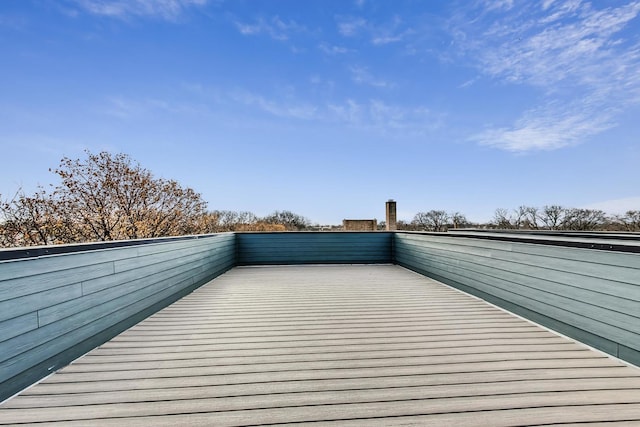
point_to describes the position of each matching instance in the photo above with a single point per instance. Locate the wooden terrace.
(333, 345)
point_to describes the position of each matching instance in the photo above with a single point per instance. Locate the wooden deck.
(339, 345)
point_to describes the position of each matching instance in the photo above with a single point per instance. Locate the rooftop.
(341, 345)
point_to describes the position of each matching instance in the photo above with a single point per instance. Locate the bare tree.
(502, 219)
(584, 220)
(403, 225)
(434, 220)
(27, 220)
(290, 220)
(553, 216)
(530, 217)
(111, 197)
(630, 221)
(458, 220)
(101, 197)
(224, 221)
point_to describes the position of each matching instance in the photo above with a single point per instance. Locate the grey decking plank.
(478, 334)
(443, 341)
(417, 356)
(436, 364)
(310, 328)
(525, 368)
(252, 347)
(474, 384)
(319, 406)
(383, 349)
(330, 333)
(496, 418)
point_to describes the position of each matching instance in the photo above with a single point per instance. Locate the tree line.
(111, 197)
(108, 196)
(550, 217)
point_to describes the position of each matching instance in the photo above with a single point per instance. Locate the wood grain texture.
(332, 345)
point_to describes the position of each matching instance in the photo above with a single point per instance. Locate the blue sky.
(329, 108)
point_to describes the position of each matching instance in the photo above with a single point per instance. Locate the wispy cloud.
(127, 108)
(370, 115)
(385, 33)
(385, 118)
(391, 32)
(581, 58)
(498, 4)
(617, 206)
(468, 83)
(350, 26)
(282, 108)
(124, 9)
(276, 28)
(362, 75)
(548, 127)
(333, 49)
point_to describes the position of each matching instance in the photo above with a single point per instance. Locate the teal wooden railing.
(57, 303)
(314, 248)
(588, 289)
(56, 307)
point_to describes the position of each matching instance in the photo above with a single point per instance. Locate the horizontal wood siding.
(314, 248)
(591, 295)
(55, 308)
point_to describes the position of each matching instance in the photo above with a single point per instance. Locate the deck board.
(333, 345)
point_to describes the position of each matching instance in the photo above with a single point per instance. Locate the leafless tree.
(630, 221)
(434, 220)
(101, 197)
(290, 220)
(458, 220)
(584, 220)
(502, 219)
(553, 216)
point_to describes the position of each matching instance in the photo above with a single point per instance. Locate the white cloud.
(579, 48)
(385, 33)
(165, 9)
(351, 26)
(361, 75)
(390, 32)
(498, 4)
(372, 115)
(379, 116)
(283, 108)
(333, 49)
(580, 59)
(275, 28)
(468, 83)
(386, 39)
(127, 108)
(546, 129)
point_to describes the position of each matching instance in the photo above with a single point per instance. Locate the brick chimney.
(391, 215)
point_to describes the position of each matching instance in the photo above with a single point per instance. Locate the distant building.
(359, 224)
